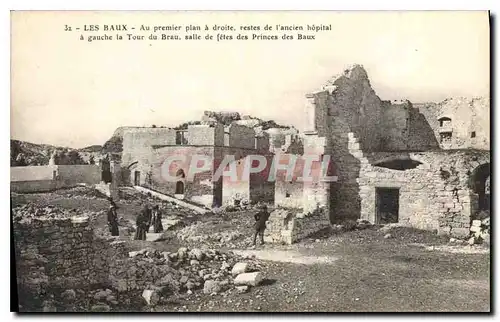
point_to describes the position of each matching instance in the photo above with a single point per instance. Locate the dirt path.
(286, 256)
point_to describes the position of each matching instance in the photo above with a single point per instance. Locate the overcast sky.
(75, 93)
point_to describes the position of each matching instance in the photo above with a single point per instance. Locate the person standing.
(260, 224)
(141, 223)
(157, 225)
(149, 218)
(113, 219)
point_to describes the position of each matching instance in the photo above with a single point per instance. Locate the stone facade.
(466, 121)
(432, 185)
(145, 152)
(435, 195)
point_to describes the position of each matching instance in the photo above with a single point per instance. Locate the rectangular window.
(473, 134)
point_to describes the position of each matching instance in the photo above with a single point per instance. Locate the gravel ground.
(367, 272)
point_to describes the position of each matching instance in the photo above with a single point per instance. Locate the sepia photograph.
(250, 161)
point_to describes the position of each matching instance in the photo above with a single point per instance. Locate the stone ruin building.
(420, 165)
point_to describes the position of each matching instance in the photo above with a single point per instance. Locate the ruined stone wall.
(241, 136)
(200, 186)
(262, 143)
(421, 136)
(205, 135)
(138, 142)
(74, 257)
(395, 122)
(66, 243)
(251, 187)
(288, 226)
(289, 194)
(467, 116)
(352, 99)
(434, 196)
(261, 190)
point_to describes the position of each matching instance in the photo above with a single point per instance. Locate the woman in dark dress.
(142, 224)
(157, 226)
(113, 220)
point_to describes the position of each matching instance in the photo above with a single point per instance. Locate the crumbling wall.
(138, 142)
(262, 142)
(200, 186)
(434, 196)
(70, 255)
(421, 136)
(467, 116)
(289, 194)
(66, 243)
(241, 136)
(206, 135)
(287, 226)
(352, 99)
(395, 122)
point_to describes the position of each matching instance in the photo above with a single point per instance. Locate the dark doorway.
(179, 188)
(480, 184)
(137, 178)
(387, 205)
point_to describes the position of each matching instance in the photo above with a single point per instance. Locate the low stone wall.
(287, 226)
(35, 186)
(66, 243)
(75, 257)
(47, 178)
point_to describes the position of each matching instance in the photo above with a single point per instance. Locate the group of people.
(147, 217)
(152, 216)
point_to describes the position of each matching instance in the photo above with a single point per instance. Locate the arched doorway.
(479, 183)
(179, 188)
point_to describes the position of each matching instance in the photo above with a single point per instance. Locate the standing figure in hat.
(142, 223)
(260, 224)
(157, 225)
(113, 218)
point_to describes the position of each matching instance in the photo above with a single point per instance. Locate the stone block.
(476, 223)
(460, 232)
(442, 231)
(475, 229)
(250, 279)
(211, 286)
(151, 296)
(239, 268)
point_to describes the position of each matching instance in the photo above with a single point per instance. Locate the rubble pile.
(32, 282)
(480, 231)
(81, 192)
(202, 271)
(199, 233)
(85, 300)
(30, 211)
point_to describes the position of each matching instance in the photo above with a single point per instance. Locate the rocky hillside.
(32, 154)
(26, 153)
